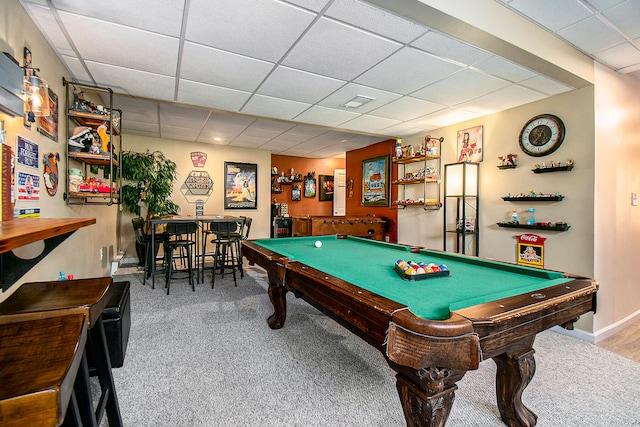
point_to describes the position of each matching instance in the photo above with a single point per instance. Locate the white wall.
(617, 222)
(179, 152)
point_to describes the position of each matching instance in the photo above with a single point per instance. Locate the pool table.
(430, 331)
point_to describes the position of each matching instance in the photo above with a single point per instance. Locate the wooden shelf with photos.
(425, 171)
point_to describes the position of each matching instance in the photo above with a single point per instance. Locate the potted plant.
(149, 179)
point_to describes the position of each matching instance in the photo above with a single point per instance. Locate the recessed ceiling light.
(217, 138)
(358, 101)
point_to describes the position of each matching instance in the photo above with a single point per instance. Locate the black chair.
(227, 235)
(144, 242)
(245, 235)
(179, 247)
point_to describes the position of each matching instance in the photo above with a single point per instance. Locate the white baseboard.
(576, 333)
(614, 328)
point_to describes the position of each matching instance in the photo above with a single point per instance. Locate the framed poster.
(49, 125)
(240, 185)
(470, 145)
(309, 187)
(325, 182)
(375, 188)
(295, 192)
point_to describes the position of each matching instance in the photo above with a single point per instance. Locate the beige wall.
(617, 222)
(571, 251)
(179, 152)
(79, 254)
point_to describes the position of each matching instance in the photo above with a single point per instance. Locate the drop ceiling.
(276, 75)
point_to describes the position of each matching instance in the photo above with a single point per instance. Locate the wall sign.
(531, 250)
(27, 153)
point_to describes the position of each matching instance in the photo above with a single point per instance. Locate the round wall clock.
(542, 135)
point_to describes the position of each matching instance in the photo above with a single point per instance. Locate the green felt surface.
(369, 265)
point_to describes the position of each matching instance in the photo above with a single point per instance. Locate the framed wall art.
(470, 145)
(49, 124)
(309, 187)
(375, 187)
(325, 190)
(240, 185)
(295, 192)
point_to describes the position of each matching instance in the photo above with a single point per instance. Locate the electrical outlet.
(634, 199)
(101, 254)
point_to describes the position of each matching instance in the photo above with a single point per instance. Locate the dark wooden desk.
(39, 360)
(22, 231)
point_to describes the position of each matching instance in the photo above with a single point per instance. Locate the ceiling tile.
(144, 133)
(369, 124)
(447, 47)
(591, 35)
(406, 129)
(545, 85)
(314, 5)
(276, 108)
(406, 108)
(250, 27)
(406, 71)
(179, 133)
(351, 90)
(77, 70)
(130, 125)
(159, 16)
(182, 116)
(323, 50)
(50, 29)
(619, 56)
(156, 53)
(446, 118)
(626, 17)
(132, 82)
(298, 85)
(216, 67)
(604, 4)
(459, 87)
(553, 14)
(500, 67)
(370, 18)
(502, 99)
(211, 96)
(325, 116)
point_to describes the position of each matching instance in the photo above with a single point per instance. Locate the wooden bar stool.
(39, 300)
(40, 360)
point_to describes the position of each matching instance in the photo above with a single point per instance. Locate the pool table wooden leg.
(514, 373)
(428, 407)
(278, 297)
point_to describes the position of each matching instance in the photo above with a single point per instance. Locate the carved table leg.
(513, 375)
(278, 297)
(429, 407)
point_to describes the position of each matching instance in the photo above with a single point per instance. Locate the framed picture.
(240, 185)
(325, 184)
(310, 187)
(49, 125)
(295, 192)
(470, 145)
(375, 188)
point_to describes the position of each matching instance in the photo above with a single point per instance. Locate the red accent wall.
(307, 206)
(354, 171)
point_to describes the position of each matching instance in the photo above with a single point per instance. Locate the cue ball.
(318, 244)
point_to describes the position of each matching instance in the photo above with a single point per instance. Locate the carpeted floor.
(208, 358)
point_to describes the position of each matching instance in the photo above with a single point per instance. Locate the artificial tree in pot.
(149, 179)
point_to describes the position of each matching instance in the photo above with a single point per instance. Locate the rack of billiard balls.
(410, 270)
